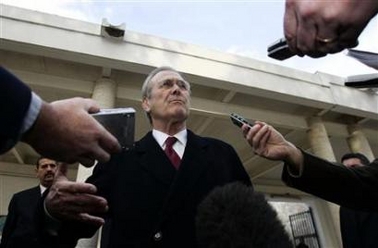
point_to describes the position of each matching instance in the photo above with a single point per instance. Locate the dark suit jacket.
(15, 99)
(19, 229)
(358, 229)
(355, 188)
(152, 205)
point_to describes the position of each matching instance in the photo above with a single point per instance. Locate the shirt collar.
(42, 188)
(160, 137)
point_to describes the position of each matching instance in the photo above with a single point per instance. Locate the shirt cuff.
(32, 114)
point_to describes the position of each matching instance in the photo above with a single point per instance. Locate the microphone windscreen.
(234, 216)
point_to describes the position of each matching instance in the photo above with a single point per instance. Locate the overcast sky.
(242, 27)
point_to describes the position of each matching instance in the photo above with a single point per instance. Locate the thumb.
(61, 172)
(90, 106)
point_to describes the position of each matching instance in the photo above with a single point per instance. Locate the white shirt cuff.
(33, 112)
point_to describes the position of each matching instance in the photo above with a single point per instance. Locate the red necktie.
(171, 153)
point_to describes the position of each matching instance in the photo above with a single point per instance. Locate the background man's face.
(170, 97)
(352, 162)
(46, 171)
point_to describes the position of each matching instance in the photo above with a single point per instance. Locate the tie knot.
(170, 141)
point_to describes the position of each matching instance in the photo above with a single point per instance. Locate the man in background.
(358, 229)
(19, 229)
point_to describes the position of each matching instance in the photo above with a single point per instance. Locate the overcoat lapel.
(193, 165)
(153, 159)
(36, 192)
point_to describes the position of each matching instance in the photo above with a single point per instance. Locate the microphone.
(234, 216)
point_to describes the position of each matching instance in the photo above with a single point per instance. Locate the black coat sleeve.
(15, 97)
(355, 188)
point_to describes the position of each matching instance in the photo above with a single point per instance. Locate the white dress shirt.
(180, 144)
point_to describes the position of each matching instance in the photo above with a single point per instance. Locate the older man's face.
(169, 99)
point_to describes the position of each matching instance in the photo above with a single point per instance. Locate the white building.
(62, 58)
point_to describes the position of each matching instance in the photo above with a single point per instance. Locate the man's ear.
(146, 105)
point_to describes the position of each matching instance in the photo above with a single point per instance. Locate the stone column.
(321, 147)
(358, 143)
(104, 94)
(318, 138)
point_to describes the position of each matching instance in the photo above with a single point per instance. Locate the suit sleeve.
(355, 188)
(15, 98)
(10, 223)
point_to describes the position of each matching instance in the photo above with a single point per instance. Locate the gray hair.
(146, 89)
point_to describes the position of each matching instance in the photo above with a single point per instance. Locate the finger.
(90, 219)
(291, 25)
(306, 34)
(258, 136)
(327, 38)
(109, 144)
(86, 161)
(348, 41)
(90, 203)
(336, 48)
(317, 54)
(265, 138)
(63, 168)
(90, 105)
(251, 132)
(98, 153)
(61, 172)
(351, 33)
(245, 128)
(76, 188)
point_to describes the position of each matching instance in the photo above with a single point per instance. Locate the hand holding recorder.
(267, 142)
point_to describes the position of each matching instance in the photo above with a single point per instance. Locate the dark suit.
(355, 188)
(358, 229)
(152, 205)
(15, 99)
(19, 229)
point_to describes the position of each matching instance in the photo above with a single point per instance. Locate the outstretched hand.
(65, 131)
(267, 142)
(74, 201)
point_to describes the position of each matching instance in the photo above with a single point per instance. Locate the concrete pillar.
(318, 138)
(358, 142)
(321, 147)
(104, 94)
